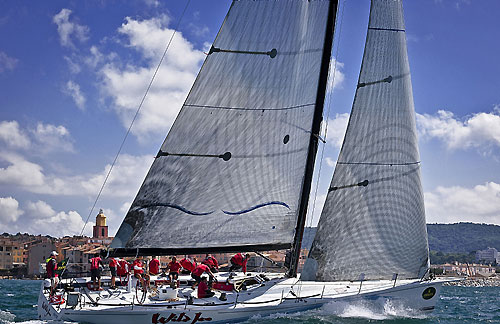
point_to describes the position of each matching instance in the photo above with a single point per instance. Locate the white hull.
(278, 295)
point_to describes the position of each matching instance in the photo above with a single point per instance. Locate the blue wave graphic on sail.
(256, 207)
(182, 209)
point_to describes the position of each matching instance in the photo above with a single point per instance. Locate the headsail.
(373, 220)
(230, 173)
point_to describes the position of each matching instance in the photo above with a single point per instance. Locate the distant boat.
(234, 174)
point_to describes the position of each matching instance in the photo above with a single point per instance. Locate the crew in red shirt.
(123, 268)
(238, 261)
(198, 271)
(174, 267)
(154, 266)
(211, 262)
(51, 267)
(95, 271)
(204, 290)
(112, 268)
(188, 265)
(139, 272)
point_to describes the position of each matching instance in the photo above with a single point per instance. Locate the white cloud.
(125, 84)
(52, 138)
(40, 218)
(480, 204)
(336, 77)
(124, 181)
(336, 129)
(152, 3)
(67, 28)
(479, 130)
(73, 66)
(199, 31)
(9, 210)
(330, 162)
(73, 89)
(21, 172)
(7, 62)
(12, 135)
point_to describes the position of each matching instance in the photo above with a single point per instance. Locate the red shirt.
(112, 263)
(137, 265)
(122, 268)
(188, 264)
(94, 263)
(211, 262)
(174, 266)
(240, 260)
(202, 289)
(200, 269)
(51, 267)
(154, 266)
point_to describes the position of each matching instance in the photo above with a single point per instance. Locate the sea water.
(18, 300)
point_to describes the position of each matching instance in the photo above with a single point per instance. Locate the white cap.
(54, 253)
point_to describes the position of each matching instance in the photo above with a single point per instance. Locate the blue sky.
(72, 74)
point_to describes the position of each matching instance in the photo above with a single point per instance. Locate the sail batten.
(373, 222)
(229, 174)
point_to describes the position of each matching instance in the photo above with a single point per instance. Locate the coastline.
(493, 281)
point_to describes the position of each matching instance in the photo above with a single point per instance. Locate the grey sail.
(230, 173)
(373, 220)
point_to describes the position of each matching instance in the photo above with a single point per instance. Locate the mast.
(313, 143)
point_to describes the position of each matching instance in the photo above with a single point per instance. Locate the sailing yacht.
(234, 175)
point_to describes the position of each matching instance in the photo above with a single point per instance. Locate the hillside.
(447, 238)
(463, 237)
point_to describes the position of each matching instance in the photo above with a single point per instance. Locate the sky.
(72, 74)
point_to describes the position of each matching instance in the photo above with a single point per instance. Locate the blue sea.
(18, 300)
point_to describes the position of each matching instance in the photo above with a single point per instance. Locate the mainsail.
(373, 220)
(230, 174)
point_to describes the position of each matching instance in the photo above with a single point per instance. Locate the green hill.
(447, 238)
(463, 237)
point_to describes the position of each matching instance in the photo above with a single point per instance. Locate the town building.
(465, 269)
(490, 255)
(38, 254)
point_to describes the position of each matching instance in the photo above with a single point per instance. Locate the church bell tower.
(100, 228)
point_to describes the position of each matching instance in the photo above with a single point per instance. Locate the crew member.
(173, 267)
(238, 261)
(188, 265)
(112, 268)
(51, 267)
(204, 290)
(211, 262)
(154, 266)
(139, 272)
(95, 271)
(198, 271)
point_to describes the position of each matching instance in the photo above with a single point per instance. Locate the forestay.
(373, 220)
(230, 173)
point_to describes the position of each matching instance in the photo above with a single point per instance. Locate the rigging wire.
(135, 116)
(330, 96)
(131, 124)
(298, 283)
